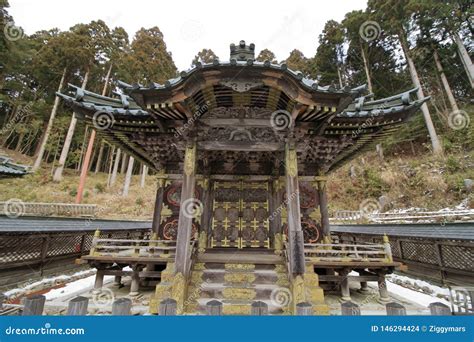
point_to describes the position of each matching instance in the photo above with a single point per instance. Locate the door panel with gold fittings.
(240, 215)
(226, 215)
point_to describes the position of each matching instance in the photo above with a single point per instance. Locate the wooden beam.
(185, 220)
(295, 233)
(155, 226)
(323, 205)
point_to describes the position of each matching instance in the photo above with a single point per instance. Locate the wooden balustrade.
(348, 252)
(132, 247)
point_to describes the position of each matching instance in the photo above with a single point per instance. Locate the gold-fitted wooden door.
(240, 214)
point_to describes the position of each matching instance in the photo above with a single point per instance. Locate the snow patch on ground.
(75, 288)
(425, 295)
(52, 281)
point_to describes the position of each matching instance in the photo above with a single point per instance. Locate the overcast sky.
(189, 26)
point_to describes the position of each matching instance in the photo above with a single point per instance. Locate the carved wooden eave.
(229, 109)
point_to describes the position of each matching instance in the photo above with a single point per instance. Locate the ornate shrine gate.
(240, 214)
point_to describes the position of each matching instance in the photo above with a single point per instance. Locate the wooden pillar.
(155, 226)
(295, 233)
(350, 309)
(135, 285)
(345, 290)
(323, 205)
(395, 309)
(207, 210)
(304, 309)
(78, 306)
(34, 305)
(383, 291)
(277, 202)
(214, 308)
(364, 287)
(168, 307)
(259, 308)
(185, 221)
(439, 309)
(99, 281)
(118, 280)
(122, 307)
(85, 168)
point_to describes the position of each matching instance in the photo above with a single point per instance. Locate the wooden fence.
(19, 208)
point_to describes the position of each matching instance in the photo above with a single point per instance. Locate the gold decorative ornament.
(190, 160)
(291, 162)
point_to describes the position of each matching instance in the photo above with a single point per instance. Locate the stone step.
(221, 276)
(239, 307)
(252, 292)
(240, 258)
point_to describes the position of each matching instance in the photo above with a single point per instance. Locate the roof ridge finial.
(242, 52)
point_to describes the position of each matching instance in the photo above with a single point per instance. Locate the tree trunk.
(144, 173)
(437, 149)
(39, 158)
(124, 163)
(83, 147)
(116, 164)
(58, 174)
(444, 80)
(20, 140)
(466, 60)
(128, 177)
(340, 77)
(90, 148)
(110, 163)
(99, 158)
(85, 168)
(366, 68)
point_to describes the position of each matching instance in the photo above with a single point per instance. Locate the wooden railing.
(47, 209)
(132, 247)
(357, 216)
(335, 252)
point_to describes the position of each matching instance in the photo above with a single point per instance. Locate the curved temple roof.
(241, 113)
